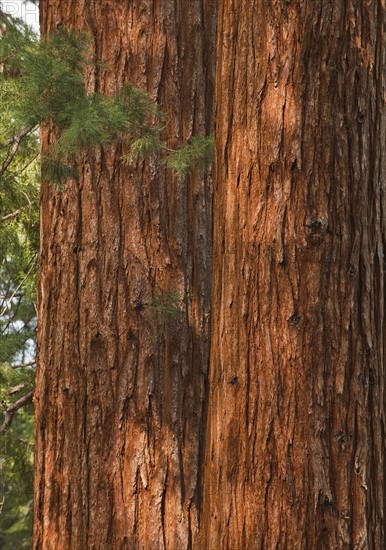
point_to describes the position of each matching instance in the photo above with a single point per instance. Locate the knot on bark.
(315, 230)
(342, 438)
(295, 320)
(360, 116)
(352, 270)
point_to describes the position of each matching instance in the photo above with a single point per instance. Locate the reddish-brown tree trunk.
(120, 389)
(296, 438)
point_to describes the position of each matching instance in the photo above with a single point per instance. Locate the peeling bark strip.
(296, 455)
(120, 390)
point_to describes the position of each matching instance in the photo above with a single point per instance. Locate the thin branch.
(15, 142)
(14, 215)
(16, 305)
(11, 319)
(16, 389)
(10, 216)
(24, 365)
(18, 288)
(23, 440)
(19, 404)
(4, 299)
(19, 298)
(26, 165)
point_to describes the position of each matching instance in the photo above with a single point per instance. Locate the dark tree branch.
(26, 166)
(15, 144)
(6, 291)
(20, 403)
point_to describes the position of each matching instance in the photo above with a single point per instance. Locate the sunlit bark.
(296, 438)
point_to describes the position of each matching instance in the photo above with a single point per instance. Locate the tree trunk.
(296, 419)
(121, 387)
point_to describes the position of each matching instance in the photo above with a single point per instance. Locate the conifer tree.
(42, 82)
(124, 289)
(19, 203)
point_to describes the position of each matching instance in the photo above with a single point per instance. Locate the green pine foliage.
(166, 303)
(18, 270)
(148, 144)
(19, 199)
(199, 152)
(44, 80)
(47, 78)
(19, 238)
(16, 478)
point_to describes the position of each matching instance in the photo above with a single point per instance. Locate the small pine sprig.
(166, 303)
(199, 152)
(145, 146)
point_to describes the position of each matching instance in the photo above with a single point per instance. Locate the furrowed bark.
(120, 389)
(296, 452)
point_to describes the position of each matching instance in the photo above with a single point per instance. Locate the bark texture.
(120, 389)
(296, 453)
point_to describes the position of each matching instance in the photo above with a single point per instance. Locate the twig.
(4, 299)
(14, 214)
(23, 365)
(15, 142)
(18, 288)
(18, 298)
(23, 440)
(22, 402)
(16, 389)
(26, 165)
(10, 216)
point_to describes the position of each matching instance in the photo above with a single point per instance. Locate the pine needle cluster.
(166, 303)
(45, 79)
(199, 152)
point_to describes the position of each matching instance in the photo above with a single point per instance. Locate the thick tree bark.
(296, 453)
(120, 389)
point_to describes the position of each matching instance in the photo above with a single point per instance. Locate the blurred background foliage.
(19, 239)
